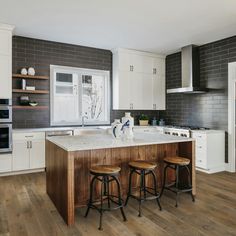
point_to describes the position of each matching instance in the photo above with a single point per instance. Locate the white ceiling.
(148, 25)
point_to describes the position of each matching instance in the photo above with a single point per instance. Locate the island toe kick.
(68, 178)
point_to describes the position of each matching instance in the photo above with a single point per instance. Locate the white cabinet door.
(147, 96)
(159, 84)
(5, 163)
(37, 154)
(20, 155)
(147, 64)
(124, 61)
(121, 91)
(137, 62)
(5, 77)
(158, 65)
(159, 92)
(136, 83)
(141, 91)
(5, 42)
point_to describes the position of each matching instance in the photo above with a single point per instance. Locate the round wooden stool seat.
(181, 161)
(143, 165)
(105, 169)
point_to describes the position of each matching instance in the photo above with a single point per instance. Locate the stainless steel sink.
(89, 131)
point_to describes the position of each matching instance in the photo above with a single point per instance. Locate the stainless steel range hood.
(190, 77)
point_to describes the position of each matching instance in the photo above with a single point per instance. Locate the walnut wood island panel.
(68, 177)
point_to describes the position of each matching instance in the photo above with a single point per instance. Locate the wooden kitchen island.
(68, 160)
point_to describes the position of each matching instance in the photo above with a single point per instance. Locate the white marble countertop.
(56, 129)
(101, 141)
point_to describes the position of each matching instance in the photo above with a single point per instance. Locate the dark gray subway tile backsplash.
(209, 109)
(40, 54)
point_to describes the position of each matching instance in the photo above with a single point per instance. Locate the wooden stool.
(143, 168)
(105, 174)
(177, 164)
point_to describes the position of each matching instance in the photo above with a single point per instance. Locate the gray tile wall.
(209, 109)
(40, 54)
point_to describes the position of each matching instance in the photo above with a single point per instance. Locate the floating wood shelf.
(30, 91)
(30, 107)
(19, 76)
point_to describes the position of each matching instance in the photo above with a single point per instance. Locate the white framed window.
(79, 94)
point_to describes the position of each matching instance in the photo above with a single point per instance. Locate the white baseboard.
(212, 170)
(22, 172)
(229, 168)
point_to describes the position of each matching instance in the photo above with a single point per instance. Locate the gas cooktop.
(188, 127)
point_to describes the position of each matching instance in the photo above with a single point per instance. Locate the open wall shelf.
(19, 76)
(31, 107)
(30, 91)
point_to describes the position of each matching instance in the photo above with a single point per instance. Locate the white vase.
(31, 71)
(128, 117)
(116, 121)
(23, 71)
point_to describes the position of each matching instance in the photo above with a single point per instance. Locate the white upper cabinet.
(159, 84)
(138, 80)
(6, 61)
(5, 41)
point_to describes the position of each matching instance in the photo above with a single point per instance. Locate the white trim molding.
(231, 167)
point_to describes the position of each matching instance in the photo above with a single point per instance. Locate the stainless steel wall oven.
(5, 126)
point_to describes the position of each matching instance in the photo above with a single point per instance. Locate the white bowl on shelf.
(33, 104)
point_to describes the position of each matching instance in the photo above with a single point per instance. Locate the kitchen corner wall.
(209, 109)
(40, 54)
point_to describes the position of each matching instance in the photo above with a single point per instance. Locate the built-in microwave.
(5, 111)
(5, 138)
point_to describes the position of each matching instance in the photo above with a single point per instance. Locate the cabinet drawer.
(201, 163)
(5, 163)
(201, 139)
(201, 152)
(201, 157)
(201, 148)
(29, 136)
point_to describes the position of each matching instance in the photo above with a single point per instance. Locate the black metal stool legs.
(119, 198)
(189, 183)
(101, 207)
(130, 186)
(164, 181)
(105, 191)
(175, 186)
(143, 189)
(155, 189)
(91, 196)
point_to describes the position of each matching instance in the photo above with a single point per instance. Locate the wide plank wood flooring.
(25, 209)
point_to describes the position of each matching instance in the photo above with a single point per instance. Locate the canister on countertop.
(154, 121)
(161, 122)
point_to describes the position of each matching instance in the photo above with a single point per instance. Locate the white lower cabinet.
(20, 155)
(210, 150)
(5, 162)
(37, 154)
(28, 151)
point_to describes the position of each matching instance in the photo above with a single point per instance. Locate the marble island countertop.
(104, 140)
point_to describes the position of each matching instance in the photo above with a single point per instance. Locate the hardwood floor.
(25, 209)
